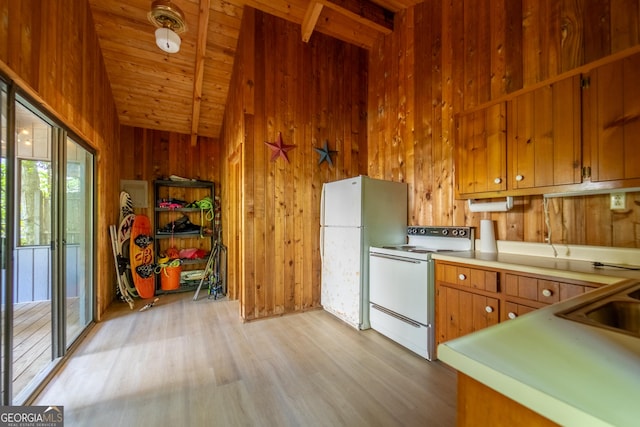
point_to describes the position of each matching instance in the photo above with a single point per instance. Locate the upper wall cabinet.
(524, 145)
(612, 120)
(578, 132)
(543, 136)
(481, 152)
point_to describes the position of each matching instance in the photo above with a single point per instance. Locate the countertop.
(571, 373)
(567, 262)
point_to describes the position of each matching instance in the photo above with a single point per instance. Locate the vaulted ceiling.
(186, 92)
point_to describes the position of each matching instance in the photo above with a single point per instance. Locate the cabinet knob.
(488, 309)
(512, 315)
(547, 292)
(519, 177)
(462, 277)
(497, 180)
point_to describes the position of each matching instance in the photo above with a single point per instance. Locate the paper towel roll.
(487, 237)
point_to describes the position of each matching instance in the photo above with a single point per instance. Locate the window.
(35, 203)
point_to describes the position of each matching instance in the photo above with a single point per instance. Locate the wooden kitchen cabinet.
(470, 298)
(612, 120)
(479, 405)
(513, 310)
(544, 136)
(463, 312)
(525, 293)
(577, 132)
(464, 276)
(481, 152)
(466, 300)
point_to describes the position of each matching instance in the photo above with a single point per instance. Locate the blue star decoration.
(279, 148)
(325, 153)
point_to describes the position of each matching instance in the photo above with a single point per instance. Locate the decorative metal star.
(325, 153)
(279, 148)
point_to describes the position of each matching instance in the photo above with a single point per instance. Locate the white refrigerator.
(356, 213)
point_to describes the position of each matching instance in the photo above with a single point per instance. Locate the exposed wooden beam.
(364, 12)
(310, 19)
(201, 50)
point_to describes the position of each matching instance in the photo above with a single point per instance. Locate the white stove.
(422, 241)
(402, 285)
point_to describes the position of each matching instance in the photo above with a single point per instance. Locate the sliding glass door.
(47, 229)
(78, 239)
(4, 244)
(33, 282)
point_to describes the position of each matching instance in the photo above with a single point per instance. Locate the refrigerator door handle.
(322, 207)
(321, 244)
(322, 225)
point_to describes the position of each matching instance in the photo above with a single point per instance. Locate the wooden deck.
(32, 350)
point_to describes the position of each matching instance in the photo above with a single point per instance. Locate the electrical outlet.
(618, 201)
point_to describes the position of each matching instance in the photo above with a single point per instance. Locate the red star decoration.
(279, 148)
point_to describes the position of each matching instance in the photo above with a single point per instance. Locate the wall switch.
(618, 201)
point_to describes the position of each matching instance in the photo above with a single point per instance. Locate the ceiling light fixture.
(168, 40)
(169, 20)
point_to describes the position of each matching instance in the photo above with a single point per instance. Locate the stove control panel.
(435, 231)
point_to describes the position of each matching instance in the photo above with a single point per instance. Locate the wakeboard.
(141, 257)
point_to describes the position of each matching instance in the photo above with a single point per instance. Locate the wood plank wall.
(446, 56)
(310, 93)
(443, 57)
(51, 51)
(149, 155)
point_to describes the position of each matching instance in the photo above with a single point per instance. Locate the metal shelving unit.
(188, 191)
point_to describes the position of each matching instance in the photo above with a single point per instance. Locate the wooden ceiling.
(186, 92)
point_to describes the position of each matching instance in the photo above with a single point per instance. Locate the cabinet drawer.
(474, 278)
(542, 290)
(568, 290)
(532, 289)
(513, 310)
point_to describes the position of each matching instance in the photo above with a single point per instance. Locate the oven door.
(400, 284)
(401, 300)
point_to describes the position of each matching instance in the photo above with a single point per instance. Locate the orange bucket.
(170, 278)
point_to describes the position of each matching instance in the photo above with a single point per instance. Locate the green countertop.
(557, 267)
(573, 374)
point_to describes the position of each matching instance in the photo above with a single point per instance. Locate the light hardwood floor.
(186, 363)
(32, 338)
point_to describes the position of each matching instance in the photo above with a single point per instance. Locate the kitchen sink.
(619, 312)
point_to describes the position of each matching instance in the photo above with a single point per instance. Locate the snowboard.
(141, 257)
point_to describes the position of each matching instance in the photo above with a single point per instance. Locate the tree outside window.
(35, 203)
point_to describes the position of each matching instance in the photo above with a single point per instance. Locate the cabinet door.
(544, 136)
(460, 313)
(481, 151)
(612, 120)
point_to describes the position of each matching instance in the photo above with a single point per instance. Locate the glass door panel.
(4, 140)
(32, 278)
(78, 238)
